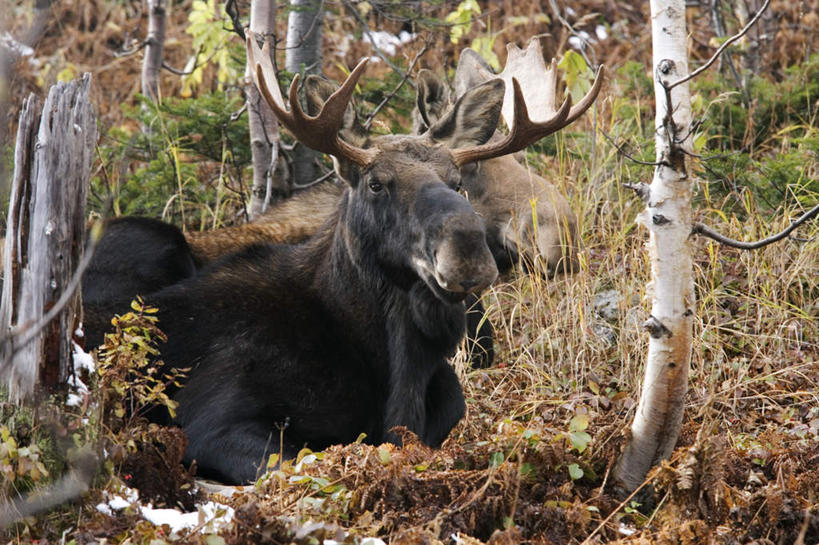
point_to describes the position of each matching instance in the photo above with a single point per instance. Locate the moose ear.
(431, 101)
(317, 90)
(473, 119)
(472, 71)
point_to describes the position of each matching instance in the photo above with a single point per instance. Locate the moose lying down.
(350, 331)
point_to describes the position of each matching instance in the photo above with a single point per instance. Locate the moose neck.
(350, 275)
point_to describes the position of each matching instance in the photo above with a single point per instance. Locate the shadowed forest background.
(531, 460)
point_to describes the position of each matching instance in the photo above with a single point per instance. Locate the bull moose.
(348, 332)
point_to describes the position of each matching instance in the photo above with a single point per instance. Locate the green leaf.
(579, 422)
(575, 472)
(384, 456)
(213, 539)
(495, 459)
(579, 440)
(576, 73)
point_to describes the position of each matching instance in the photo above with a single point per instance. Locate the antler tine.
(320, 132)
(524, 131)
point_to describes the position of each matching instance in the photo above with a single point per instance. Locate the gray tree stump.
(45, 237)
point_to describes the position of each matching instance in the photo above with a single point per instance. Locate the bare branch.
(701, 229)
(233, 12)
(177, 71)
(72, 485)
(624, 153)
(377, 50)
(722, 48)
(389, 97)
(22, 335)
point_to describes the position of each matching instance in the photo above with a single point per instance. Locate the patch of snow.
(601, 32)
(209, 517)
(389, 42)
(626, 530)
(372, 541)
(576, 42)
(83, 360)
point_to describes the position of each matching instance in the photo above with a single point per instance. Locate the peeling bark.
(45, 237)
(152, 63)
(667, 216)
(264, 129)
(304, 53)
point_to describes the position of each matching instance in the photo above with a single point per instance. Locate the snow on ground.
(78, 391)
(209, 517)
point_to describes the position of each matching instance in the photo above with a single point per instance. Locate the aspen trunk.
(264, 129)
(152, 62)
(304, 52)
(667, 216)
(45, 236)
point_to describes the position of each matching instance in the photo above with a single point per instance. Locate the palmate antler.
(320, 132)
(530, 86)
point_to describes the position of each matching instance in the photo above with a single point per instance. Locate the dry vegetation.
(530, 462)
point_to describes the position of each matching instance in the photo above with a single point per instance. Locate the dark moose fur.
(347, 333)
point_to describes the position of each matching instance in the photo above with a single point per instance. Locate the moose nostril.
(467, 284)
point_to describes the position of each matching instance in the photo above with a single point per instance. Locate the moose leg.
(445, 405)
(235, 454)
(479, 334)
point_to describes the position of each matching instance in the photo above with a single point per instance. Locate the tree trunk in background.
(667, 215)
(304, 51)
(45, 237)
(152, 62)
(264, 129)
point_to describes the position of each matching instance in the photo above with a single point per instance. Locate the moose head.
(391, 177)
(525, 215)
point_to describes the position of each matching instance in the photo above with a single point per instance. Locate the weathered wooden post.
(45, 237)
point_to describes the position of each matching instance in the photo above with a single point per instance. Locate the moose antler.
(320, 132)
(526, 75)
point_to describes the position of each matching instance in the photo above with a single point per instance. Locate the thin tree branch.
(701, 229)
(722, 48)
(235, 17)
(318, 180)
(177, 71)
(377, 50)
(389, 97)
(624, 153)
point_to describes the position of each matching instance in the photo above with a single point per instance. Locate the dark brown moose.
(349, 332)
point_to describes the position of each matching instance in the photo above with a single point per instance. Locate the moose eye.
(375, 186)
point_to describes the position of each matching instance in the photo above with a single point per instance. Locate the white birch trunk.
(152, 62)
(263, 127)
(667, 215)
(304, 51)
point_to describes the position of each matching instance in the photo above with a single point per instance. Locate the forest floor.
(531, 461)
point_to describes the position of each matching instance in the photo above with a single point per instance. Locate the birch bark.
(667, 216)
(304, 52)
(152, 63)
(264, 129)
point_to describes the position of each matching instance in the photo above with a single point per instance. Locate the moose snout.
(463, 262)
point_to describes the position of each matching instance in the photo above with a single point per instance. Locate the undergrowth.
(531, 459)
